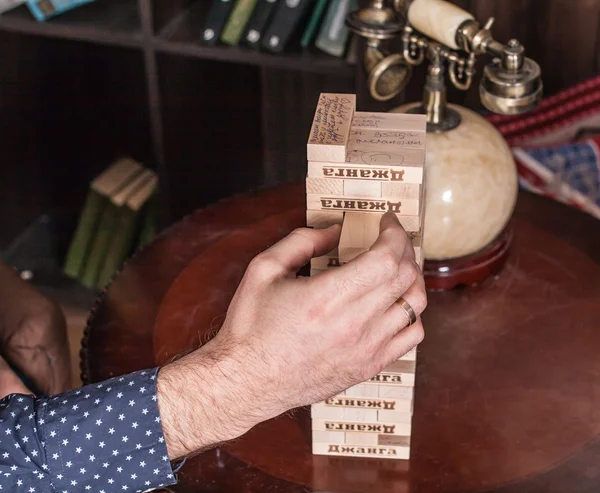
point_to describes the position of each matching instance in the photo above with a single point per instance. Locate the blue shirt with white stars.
(103, 438)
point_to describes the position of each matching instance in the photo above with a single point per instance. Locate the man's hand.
(33, 338)
(290, 341)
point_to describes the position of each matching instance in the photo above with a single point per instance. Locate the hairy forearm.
(201, 402)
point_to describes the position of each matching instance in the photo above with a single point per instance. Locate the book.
(287, 19)
(215, 21)
(107, 183)
(126, 226)
(239, 17)
(314, 23)
(263, 12)
(333, 35)
(46, 9)
(105, 231)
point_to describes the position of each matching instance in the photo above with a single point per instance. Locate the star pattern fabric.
(102, 438)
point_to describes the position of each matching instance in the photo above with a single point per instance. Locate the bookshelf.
(129, 77)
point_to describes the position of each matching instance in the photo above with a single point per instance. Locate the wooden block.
(359, 232)
(314, 272)
(375, 427)
(399, 379)
(321, 411)
(400, 190)
(389, 121)
(360, 152)
(394, 392)
(410, 356)
(401, 366)
(362, 390)
(324, 186)
(370, 170)
(325, 262)
(328, 138)
(401, 207)
(331, 437)
(371, 451)
(361, 188)
(361, 439)
(369, 403)
(392, 140)
(323, 219)
(394, 417)
(359, 414)
(393, 440)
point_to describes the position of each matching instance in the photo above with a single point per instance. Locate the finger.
(301, 245)
(402, 342)
(10, 383)
(392, 239)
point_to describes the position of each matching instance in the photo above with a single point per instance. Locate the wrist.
(202, 401)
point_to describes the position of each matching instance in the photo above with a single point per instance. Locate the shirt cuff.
(106, 437)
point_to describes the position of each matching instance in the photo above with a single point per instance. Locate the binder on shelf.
(258, 23)
(314, 22)
(286, 21)
(238, 19)
(333, 36)
(215, 21)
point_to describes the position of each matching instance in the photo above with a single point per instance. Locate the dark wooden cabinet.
(128, 77)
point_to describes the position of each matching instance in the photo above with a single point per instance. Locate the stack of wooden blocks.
(361, 165)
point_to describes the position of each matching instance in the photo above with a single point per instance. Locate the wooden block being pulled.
(326, 261)
(389, 121)
(359, 232)
(361, 439)
(328, 138)
(323, 219)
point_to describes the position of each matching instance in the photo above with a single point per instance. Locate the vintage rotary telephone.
(471, 177)
(442, 32)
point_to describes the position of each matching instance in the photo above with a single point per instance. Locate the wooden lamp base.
(470, 270)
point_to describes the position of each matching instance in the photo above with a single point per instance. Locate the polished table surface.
(507, 397)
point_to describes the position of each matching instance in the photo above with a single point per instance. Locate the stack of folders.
(118, 217)
(276, 25)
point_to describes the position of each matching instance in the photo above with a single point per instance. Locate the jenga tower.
(360, 165)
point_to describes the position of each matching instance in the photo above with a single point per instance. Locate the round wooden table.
(507, 397)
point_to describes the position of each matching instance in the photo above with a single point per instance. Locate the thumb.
(301, 245)
(10, 383)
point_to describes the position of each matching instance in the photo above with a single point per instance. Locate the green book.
(313, 23)
(107, 183)
(82, 238)
(104, 232)
(126, 227)
(333, 35)
(236, 24)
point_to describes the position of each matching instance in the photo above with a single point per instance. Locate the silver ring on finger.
(408, 309)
